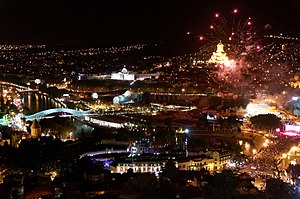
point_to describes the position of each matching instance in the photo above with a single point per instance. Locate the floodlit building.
(124, 74)
(127, 98)
(137, 167)
(219, 57)
(211, 161)
(196, 164)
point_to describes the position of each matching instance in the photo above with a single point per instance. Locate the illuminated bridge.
(14, 85)
(44, 113)
(107, 151)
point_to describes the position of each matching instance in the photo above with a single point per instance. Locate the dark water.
(37, 102)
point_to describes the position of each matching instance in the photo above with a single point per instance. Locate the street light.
(182, 90)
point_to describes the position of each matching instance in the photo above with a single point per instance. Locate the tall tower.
(36, 129)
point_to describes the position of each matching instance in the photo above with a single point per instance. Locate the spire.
(220, 47)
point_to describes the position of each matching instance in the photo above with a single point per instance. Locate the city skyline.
(114, 22)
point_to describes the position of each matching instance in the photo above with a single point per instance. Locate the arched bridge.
(44, 113)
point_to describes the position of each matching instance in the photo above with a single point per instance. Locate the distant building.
(196, 164)
(127, 98)
(138, 166)
(211, 161)
(219, 57)
(124, 74)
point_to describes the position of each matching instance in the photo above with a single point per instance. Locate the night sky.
(108, 22)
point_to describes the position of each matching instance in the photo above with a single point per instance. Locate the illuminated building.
(211, 161)
(138, 167)
(124, 74)
(197, 164)
(219, 57)
(127, 98)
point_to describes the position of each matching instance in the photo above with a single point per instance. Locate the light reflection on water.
(37, 102)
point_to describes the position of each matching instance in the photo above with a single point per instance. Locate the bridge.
(107, 151)
(14, 85)
(44, 113)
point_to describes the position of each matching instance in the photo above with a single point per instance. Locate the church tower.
(36, 129)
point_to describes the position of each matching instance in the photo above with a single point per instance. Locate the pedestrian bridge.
(44, 113)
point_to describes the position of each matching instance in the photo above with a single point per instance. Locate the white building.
(123, 75)
(212, 161)
(138, 167)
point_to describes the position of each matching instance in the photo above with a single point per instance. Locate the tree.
(13, 110)
(43, 154)
(170, 171)
(170, 134)
(66, 128)
(61, 127)
(26, 111)
(168, 182)
(276, 188)
(267, 122)
(271, 157)
(168, 123)
(221, 185)
(294, 170)
(143, 185)
(101, 133)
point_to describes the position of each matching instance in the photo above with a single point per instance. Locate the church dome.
(124, 70)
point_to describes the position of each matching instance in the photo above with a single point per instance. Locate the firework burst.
(241, 44)
(254, 62)
(235, 31)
